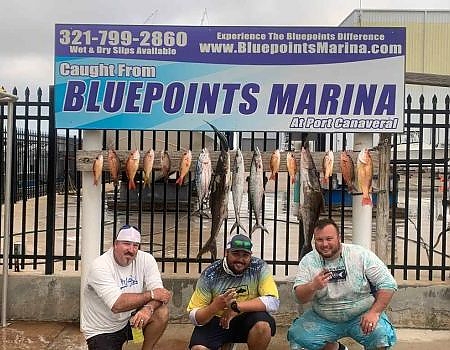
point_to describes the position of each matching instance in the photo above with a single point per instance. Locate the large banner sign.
(237, 78)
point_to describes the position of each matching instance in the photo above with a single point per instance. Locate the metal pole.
(91, 214)
(362, 215)
(7, 207)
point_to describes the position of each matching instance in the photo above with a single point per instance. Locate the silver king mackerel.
(203, 172)
(237, 188)
(256, 189)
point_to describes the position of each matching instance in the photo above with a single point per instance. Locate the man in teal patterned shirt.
(338, 279)
(232, 301)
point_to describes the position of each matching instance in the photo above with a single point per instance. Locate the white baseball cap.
(129, 233)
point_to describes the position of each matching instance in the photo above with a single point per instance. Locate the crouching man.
(337, 278)
(123, 290)
(232, 301)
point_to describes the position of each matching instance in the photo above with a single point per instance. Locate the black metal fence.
(48, 193)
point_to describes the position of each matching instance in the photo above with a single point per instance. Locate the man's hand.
(222, 301)
(142, 317)
(227, 316)
(161, 294)
(369, 321)
(321, 279)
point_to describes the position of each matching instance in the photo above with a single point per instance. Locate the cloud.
(27, 34)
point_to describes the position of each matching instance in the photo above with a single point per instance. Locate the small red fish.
(149, 158)
(327, 166)
(291, 164)
(131, 168)
(274, 164)
(165, 164)
(347, 170)
(364, 170)
(114, 165)
(185, 165)
(97, 169)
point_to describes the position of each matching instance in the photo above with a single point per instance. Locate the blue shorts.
(312, 332)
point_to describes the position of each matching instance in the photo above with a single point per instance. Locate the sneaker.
(342, 347)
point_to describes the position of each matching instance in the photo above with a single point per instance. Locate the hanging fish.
(185, 165)
(364, 169)
(347, 170)
(114, 166)
(218, 198)
(203, 172)
(149, 158)
(327, 166)
(165, 165)
(237, 188)
(291, 165)
(274, 164)
(131, 168)
(97, 168)
(256, 189)
(311, 198)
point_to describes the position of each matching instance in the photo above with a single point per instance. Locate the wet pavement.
(67, 336)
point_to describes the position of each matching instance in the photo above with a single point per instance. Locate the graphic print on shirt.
(128, 282)
(241, 290)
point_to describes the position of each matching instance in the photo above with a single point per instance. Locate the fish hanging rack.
(85, 159)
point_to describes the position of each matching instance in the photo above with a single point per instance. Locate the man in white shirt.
(123, 290)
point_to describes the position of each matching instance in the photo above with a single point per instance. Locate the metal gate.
(47, 195)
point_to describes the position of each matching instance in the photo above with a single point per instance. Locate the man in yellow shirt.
(232, 300)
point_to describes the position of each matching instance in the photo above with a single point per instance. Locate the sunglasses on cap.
(124, 227)
(237, 243)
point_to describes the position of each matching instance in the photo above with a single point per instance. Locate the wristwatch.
(234, 306)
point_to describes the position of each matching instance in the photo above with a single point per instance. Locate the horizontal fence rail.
(47, 193)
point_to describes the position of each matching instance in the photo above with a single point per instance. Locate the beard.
(330, 253)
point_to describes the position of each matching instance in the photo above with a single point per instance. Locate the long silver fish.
(311, 198)
(237, 188)
(256, 189)
(218, 198)
(203, 172)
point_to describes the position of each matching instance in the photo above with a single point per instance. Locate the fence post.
(362, 215)
(382, 219)
(51, 187)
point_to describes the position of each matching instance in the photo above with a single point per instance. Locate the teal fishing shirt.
(348, 295)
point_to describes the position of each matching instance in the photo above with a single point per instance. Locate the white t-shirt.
(106, 281)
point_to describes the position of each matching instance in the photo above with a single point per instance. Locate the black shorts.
(213, 336)
(110, 341)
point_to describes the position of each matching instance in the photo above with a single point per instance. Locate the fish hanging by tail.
(256, 189)
(97, 168)
(114, 166)
(347, 170)
(364, 169)
(237, 188)
(311, 199)
(203, 173)
(149, 159)
(327, 166)
(218, 197)
(131, 168)
(185, 165)
(274, 164)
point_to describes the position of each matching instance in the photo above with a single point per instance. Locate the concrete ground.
(66, 336)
